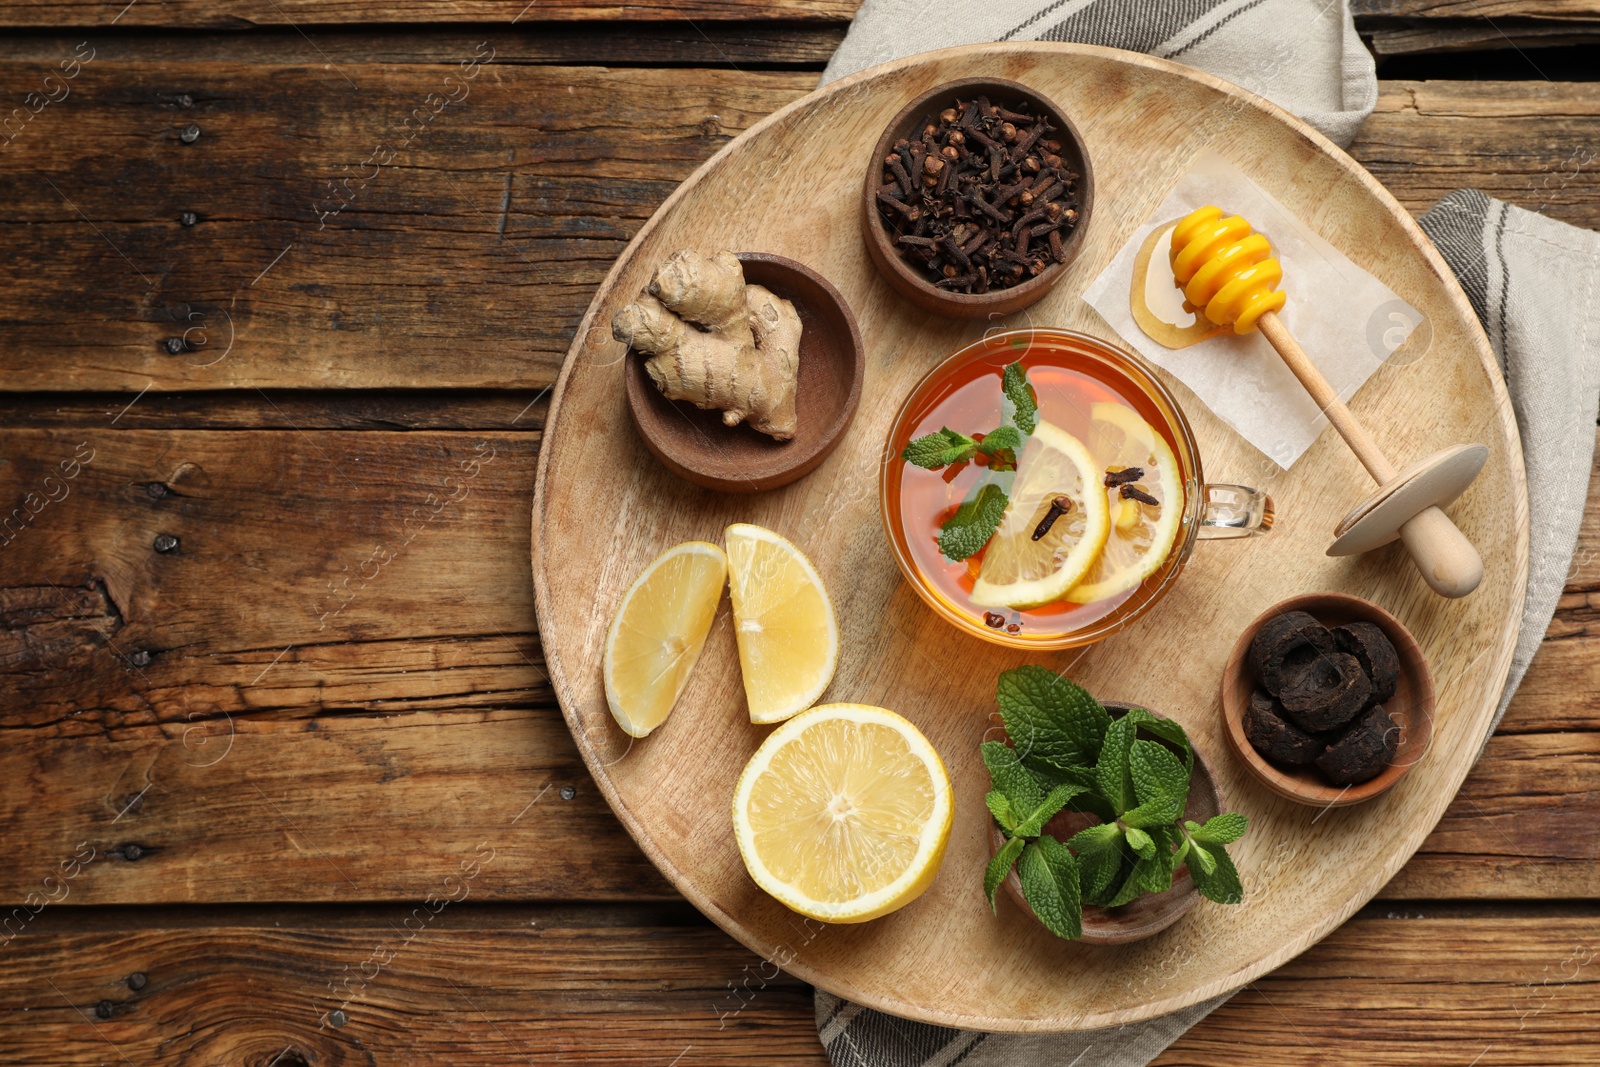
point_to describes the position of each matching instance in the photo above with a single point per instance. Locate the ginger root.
(716, 342)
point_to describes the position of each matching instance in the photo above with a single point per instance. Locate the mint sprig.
(1050, 880)
(1132, 772)
(1014, 384)
(976, 520)
(939, 449)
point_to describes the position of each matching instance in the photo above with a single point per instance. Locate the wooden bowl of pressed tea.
(1410, 708)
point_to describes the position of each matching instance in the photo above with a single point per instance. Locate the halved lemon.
(783, 620)
(1021, 572)
(843, 813)
(1141, 534)
(658, 633)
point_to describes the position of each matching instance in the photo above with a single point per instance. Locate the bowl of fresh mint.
(1108, 825)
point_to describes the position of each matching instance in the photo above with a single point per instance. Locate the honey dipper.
(1229, 273)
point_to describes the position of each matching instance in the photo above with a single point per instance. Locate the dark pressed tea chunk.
(1275, 737)
(1329, 692)
(1364, 750)
(1285, 647)
(1371, 647)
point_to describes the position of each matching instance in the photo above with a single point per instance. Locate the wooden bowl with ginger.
(697, 443)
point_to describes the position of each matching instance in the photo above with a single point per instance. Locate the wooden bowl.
(1411, 707)
(695, 445)
(1146, 915)
(908, 280)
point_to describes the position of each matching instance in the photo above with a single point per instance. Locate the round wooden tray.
(604, 507)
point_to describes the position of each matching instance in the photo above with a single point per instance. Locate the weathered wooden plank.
(1402, 37)
(511, 410)
(467, 261)
(342, 237)
(279, 13)
(1476, 9)
(490, 985)
(261, 746)
(269, 806)
(255, 13)
(701, 44)
(1523, 825)
(1527, 142)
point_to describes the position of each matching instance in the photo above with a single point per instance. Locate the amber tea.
(1042, 489)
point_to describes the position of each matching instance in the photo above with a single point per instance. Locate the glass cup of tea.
(1101, 488)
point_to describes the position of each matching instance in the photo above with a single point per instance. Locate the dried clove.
(980, 199)
(1058, 507)
(1125, 476)
(1133, 492)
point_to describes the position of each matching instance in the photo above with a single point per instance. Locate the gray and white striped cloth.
(1533, 282)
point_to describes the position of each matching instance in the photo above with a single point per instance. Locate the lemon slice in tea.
(1141, 534)
(843, 813)
(658, 633)
(1021, 571)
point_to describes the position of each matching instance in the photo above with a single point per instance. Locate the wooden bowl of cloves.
(976, 198)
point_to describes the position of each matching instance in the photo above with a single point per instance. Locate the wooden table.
(282, 780)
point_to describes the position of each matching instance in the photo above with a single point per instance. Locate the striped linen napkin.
(1532, 281)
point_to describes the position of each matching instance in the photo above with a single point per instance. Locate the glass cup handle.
(1233, 511)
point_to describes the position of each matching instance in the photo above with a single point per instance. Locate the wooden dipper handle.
(1448, 561)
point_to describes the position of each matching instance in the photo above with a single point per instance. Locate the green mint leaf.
(1014, 383)
(1132, 885)
(1002, 811)
(1221, 881)
(1033, 825)
(1049, 877)
(1152, 875)
(1161, 783)
(1095, 838)
(1001, 447)
(1221, 829)
(1010, 777)
(1141, 843)
(1051, 720)
(1111, 772)
(974, 522)
(1156, 772)
(1182, 854)
(1000, 866)
(1165, 839)
(1099, 850)
(939, 449)
(1006, 438)
(1166, 729)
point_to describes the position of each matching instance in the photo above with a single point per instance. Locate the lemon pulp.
(783, 621)
(1142, 535)
(843, 813)
(1019, 571)
(658, 632)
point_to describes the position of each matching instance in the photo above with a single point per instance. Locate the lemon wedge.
(658, 633)
(1021, 572)
(843, 813)
(784, 623)
(1142, 534)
